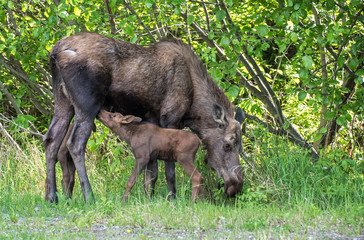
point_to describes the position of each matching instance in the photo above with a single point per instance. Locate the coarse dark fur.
(165, 83)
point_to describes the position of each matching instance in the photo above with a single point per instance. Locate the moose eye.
(221, 126)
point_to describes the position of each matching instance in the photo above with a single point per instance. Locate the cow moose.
(149, 143)
(164, 83)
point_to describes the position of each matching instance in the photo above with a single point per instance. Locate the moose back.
(164, 83)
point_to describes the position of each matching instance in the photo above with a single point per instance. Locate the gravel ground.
(116, 232)
(58, 228)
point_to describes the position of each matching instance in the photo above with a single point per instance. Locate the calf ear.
(137, 119)
(218, 113)
(129, 119)
(239, 115)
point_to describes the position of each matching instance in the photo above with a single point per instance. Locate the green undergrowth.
(284, 192)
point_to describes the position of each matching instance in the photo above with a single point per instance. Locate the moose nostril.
(227, 147)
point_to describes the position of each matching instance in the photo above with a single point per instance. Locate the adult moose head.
(165, 83)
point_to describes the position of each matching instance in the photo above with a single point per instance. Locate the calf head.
(116, 120)
(223, 145)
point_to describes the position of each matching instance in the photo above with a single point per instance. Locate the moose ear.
(130, 118)
(218, 113)
(239, 115)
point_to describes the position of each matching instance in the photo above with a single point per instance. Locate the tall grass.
(281, 173)
(275, 172)
(283, 191)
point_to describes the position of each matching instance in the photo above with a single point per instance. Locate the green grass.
(285, 195)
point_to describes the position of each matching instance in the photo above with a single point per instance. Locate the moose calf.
(150, 142)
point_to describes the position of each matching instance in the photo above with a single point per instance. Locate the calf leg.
(140, 164)
(187, 162)
(63, 113)
(151, 176)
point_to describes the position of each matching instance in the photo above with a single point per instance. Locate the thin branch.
(274, 109)
(139, 20)
(22, 75)
(257, 74)
(34, 132)
(10, 98)
(207, 16)
(111, 19)
(161, 31)
(282, 132)
(11, 140)
(323, 122)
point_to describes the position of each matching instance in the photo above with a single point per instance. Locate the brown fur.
(150, 142)
(165, 83)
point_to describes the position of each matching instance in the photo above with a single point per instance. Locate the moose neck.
(126, 132)
(206, 94)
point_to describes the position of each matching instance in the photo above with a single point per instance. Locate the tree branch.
(282, 132)
(11, 140)
(111, 18)
(139, 19)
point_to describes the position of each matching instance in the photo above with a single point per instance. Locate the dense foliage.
(295, 67)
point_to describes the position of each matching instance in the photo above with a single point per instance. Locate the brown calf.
(150, 142)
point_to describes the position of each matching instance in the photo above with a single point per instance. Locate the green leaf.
(220, 15)
(225, 41)
(303, 73)
(360, 72)
(317, 137)
(177, 10)
(77, 11)
(353, 63)
(90, 26)
(149, 3)
(129, 30)
(302, 95)
(233, 91)
(134, 39)
(211, 35)
(307, 61)
(323, 130)
(340, 61)
(262, 30)
(10, 4)
(341, 120)
(329, 115)
(286, 125)
(190, 19)
(216, 74)
(294, 37)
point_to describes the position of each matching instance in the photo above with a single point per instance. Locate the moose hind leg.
(171, 178)
(67, 165)
(86, 86)
(63, 114)
(77, 146)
